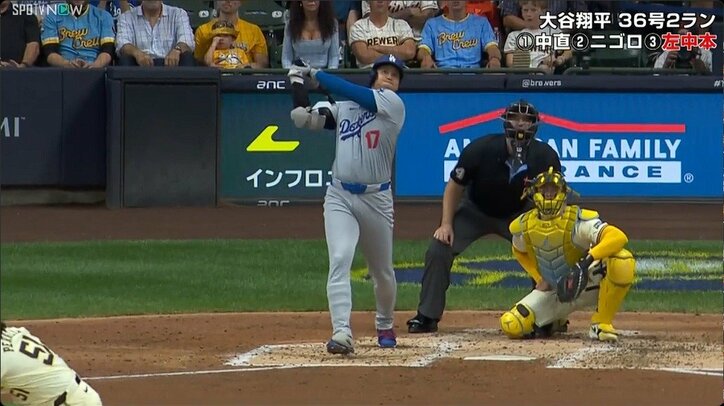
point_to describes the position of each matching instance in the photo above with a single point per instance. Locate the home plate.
(499, 358)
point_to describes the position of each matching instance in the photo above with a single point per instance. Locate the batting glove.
(299, 70)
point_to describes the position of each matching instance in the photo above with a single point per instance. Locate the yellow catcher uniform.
(549, 241)
(249, 40)
(34, 375)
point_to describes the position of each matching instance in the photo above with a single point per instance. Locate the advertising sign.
(30, 129)
(610, 144)
(264, 157)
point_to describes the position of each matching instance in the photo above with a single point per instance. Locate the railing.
(345, 71)
(576, 70)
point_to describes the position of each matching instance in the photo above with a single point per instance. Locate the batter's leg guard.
(614, 288)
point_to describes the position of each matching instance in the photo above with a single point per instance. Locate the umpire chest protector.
(552, 241)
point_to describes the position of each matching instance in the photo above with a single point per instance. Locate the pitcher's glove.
(299, 70)
(569, 287)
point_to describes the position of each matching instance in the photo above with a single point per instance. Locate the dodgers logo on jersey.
(353, 128)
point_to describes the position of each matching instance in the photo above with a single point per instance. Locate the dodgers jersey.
(366, 141)
(30, 371)
(79, 37)
(457, 44)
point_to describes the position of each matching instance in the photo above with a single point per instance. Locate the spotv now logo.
(61, 9)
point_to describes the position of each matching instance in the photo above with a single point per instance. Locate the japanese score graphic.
(674, 40)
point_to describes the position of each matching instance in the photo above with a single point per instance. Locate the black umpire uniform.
(494, 184)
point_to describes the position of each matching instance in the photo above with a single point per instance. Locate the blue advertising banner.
(610, 144)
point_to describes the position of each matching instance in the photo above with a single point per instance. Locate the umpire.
(493, 169)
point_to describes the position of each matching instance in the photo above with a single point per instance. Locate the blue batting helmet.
(387, 60)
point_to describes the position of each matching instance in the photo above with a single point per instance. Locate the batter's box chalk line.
(575, 358)
(409, 353)
(500, 357)
(412, 351)
(422, 351)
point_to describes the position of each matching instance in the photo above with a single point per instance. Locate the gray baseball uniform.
(358, 206)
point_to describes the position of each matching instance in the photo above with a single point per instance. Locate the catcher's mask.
(520, 121)
(549, 191)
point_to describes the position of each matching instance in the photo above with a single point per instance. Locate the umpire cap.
(387, 60)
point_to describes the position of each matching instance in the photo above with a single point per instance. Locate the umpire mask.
(520, 121)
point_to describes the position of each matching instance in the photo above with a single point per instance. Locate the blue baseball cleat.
(387, 338)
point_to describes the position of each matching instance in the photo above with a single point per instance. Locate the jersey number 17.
(372, 138)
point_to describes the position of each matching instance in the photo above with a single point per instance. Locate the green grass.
(48, 280)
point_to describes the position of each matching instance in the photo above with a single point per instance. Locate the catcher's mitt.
(571, 285)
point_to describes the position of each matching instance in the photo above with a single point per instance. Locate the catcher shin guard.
(615, 286)
(518, 321)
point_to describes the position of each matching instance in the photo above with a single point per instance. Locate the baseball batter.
(576, 259)
(32, 374)
(358, 205)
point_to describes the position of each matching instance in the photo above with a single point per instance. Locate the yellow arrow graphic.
(264, 142)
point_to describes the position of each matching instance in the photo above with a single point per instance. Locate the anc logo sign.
(666, 271)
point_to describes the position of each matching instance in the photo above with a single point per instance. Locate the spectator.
(19, 38)
(483, 8)
(416, 13)
(116, 7)
(512, 20)
(458, 39)
(82, 39)
(379, 34)
(221, 53)
(155, 34)
(347, 12)
(539, 57)
(249, 39)
(697, 59)
(311, 35)
(41, 8)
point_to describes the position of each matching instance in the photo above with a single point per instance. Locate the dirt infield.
(279, 358)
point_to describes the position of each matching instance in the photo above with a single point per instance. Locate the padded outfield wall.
(208, 138)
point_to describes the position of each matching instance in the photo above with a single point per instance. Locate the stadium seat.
(199, 11)
(269, 16)
(264, 13)
(616, 58)
(274, 47)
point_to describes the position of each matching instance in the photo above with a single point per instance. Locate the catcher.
(576, 260)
